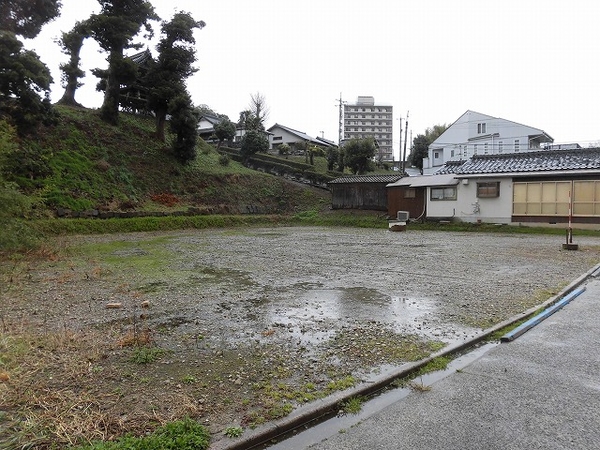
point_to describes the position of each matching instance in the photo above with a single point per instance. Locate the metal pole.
(570, 217)
(400, 146)
(340, 124)
(405, 139)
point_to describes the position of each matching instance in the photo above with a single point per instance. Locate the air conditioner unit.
(402, 216)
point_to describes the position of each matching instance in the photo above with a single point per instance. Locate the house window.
(443, 193)
(277, 138)
(488, 189)
(452, 153)
(517, 145)
(481, 128)
(436, 155)
(410, 193)
(500, 144)
(485, 148)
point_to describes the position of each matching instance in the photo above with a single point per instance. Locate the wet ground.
(268, 317)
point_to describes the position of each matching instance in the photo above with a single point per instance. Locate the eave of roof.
(426, 181)
(366, 179)
(539, 174)
(141, 57)
(300, 134)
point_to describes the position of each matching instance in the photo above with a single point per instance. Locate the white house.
(206, 130)
(541, 187)
(206, 126)
(287, 135)
(479, 134)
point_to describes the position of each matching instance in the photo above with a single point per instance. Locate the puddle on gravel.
(351, 303)
(313, 315)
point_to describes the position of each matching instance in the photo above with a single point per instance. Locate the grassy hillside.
(82, 163)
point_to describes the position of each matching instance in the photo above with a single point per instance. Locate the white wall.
(463, 139)
(468, 208)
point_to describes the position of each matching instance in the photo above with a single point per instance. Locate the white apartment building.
(367, 119)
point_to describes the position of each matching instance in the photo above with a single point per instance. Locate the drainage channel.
(311, 434)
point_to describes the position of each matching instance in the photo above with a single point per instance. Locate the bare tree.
(259, 109)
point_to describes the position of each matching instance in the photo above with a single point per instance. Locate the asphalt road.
(540, 391)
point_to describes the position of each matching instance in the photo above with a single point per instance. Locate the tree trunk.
(72, 72)
(110, 108)
(68, 97)
(161, 119)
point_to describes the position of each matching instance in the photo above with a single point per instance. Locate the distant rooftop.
(364, 100)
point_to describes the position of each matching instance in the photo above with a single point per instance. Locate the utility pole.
(400, 146)
(340, 104)
(405, 139)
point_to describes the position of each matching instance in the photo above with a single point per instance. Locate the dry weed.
(136, 337)
(419, 386)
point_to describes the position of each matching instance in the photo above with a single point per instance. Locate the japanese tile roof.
(450, 167)
(527, 162)
(300, 134)
(326, 142)
(366, 179)
(426, 181)
(211, 119)
(141, 57)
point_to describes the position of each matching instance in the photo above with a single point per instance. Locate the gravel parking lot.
(241, 311)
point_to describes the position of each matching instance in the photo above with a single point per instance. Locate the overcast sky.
(530, 61)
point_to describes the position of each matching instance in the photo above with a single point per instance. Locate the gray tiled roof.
(141, 57)
(450, 167)
(540, 161)
(297, 133)
(366, 179)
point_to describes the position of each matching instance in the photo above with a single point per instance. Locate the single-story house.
(544, 187)
(206, 127)
(206, 130)
(410, 194)
(296, 139)
(361, 191)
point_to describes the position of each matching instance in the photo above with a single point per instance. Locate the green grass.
(51, 227)
(83, 163)
(439, 363)
(146, 355)
(352, 405)
(501, 332)
(233, 432)
(180, 435)
(96, 226)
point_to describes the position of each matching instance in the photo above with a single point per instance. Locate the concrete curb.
(328, 407)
